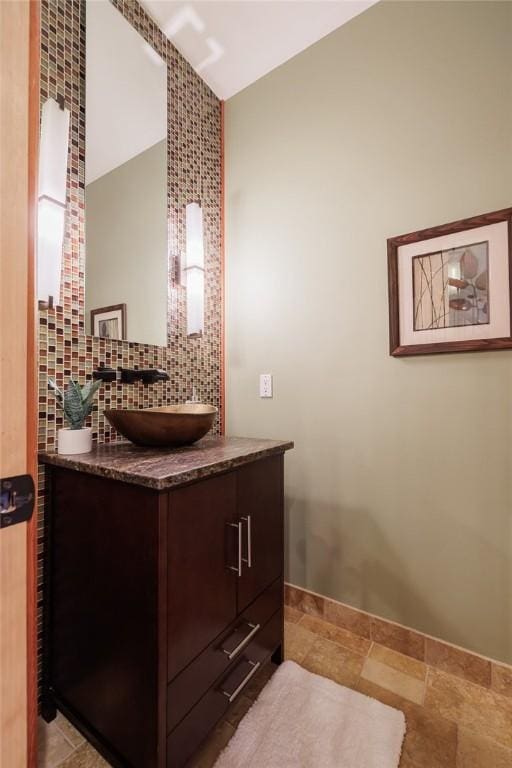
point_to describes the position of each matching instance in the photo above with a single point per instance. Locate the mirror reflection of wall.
(126, 269)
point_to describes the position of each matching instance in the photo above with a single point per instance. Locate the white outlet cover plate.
(266, 385)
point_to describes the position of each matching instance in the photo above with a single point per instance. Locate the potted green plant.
(76, 403)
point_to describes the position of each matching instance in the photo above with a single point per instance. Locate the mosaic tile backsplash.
(194, 172)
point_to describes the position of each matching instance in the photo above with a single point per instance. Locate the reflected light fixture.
(194, 269)
(51, 210)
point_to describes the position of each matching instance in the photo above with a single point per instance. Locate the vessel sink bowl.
(169, 425)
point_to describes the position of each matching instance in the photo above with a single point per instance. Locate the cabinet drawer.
(188, 735)
(188, 687)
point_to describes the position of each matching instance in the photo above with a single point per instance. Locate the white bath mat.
(301, 720)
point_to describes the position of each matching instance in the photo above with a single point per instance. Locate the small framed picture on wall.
(109, 322)
(450, 287)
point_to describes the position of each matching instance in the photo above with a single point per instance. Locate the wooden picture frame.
(114, 312)
(491, 299)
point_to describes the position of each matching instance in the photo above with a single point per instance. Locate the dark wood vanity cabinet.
(160, 605)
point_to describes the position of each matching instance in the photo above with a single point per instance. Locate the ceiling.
(232, 43)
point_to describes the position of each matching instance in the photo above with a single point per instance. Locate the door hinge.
(16, 500)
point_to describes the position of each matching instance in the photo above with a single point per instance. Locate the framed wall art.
(109, 322)
(450, 287)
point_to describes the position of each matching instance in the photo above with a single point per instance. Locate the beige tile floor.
(451, 723)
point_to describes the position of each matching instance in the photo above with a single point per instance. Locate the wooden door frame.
(18, 347)
(32, 376)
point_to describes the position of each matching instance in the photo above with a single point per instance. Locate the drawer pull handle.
(232, 696)
(237, 568)
(248, 561)
(231, 654)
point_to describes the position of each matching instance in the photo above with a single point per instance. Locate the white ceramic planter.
(74, 440)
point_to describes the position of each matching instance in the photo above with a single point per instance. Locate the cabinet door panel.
(260, 508)
(201, 586)
(103, 606)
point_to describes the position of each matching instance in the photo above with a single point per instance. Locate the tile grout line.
(74, 746)
(425, 685)
(60, 762)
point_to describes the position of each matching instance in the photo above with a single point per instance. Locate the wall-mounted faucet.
(130, 375)
(152, 375)
(104, 373)
(146, 375)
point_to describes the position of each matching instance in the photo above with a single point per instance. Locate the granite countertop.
(164, 468)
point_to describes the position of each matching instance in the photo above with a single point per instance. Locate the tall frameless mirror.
(126, 265)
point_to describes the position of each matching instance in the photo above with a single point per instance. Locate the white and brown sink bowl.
(167, 426)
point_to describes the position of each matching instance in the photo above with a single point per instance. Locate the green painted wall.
(399, 489)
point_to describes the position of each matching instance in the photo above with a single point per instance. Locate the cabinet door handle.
(248, 560)
(237, 568)
(232, 696)
(253, 629)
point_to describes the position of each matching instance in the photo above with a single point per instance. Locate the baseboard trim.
(445, 656)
